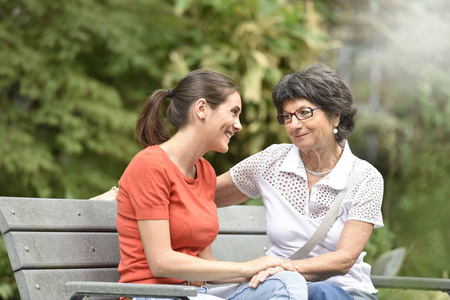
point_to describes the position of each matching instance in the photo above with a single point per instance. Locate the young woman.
(167, 217)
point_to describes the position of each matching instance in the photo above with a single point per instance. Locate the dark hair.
(214, 87)
(323, 87)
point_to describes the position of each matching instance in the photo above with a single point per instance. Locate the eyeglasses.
(301, 114)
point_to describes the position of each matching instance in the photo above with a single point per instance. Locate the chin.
(222, 149)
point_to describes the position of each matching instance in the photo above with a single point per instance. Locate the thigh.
(282, 285)
(327, 291)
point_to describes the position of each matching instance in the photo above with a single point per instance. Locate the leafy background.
(74, 74)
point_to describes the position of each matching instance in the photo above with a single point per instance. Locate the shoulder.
(205, 167)
(369, 170)
(274, 152)
(148, 160)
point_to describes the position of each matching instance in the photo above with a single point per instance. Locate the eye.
(304, 112)
(235, 111)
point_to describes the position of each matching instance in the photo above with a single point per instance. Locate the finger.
(275, 270)
(288, 267)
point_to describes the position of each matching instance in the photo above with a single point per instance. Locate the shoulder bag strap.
(332, 213)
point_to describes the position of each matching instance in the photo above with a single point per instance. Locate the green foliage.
(8, 288)
(412, 131)
(255, 42)
(419, 216)
(69, 71)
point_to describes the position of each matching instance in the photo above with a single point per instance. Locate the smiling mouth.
(228, 134)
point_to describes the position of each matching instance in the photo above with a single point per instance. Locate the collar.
(337, 179)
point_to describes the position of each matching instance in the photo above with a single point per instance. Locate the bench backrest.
(52, 241)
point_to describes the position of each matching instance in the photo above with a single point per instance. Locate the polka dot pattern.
(364, 201)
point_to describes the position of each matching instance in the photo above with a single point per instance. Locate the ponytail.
(212, 86)
(150, 125)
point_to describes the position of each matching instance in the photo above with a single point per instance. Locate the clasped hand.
(261, 276)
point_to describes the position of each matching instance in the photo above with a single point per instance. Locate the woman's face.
(224, 122)
(314, 133)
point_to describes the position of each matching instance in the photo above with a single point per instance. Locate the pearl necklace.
(318, 174)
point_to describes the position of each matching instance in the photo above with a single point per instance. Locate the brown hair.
(214, 87)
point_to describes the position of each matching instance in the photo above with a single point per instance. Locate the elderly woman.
(298, 182)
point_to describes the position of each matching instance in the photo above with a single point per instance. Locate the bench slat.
(233, 247)
(246, 219)
(57, 214)
(84, 215)
(50, 284)
(62, 249)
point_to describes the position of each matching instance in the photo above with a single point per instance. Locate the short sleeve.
(148, 187)
(367, 201)
(245, 175)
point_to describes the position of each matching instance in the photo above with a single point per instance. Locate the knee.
(291, 283)
(290, 278)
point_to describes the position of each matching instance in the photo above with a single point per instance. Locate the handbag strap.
(332, 213)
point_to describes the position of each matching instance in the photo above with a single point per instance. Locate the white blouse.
(277, 175)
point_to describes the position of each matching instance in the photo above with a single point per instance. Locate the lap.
(329, 291)
(282, 285)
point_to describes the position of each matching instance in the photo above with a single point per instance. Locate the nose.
(237, 125)
(296, 122)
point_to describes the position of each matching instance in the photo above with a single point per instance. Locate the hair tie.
(169, 93)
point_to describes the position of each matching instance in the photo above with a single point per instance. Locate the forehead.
(293, 105)
(233, 100)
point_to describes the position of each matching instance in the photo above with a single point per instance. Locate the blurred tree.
(72, 74)
(68, 73)
(394, 58)
(256, 42)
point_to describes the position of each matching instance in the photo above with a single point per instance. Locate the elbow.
(158, 268)
(346, 265)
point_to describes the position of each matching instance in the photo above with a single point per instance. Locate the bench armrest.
(414, 283)
(80, 289)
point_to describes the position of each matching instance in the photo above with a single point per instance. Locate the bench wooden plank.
(62, 249)
(76, 249)
(49, 283)
(57, 214)
(246, 219)
(234, 247)
(90, 215)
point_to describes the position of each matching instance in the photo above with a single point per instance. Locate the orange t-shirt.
(153, 188)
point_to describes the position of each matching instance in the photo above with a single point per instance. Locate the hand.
(263, 275)
(110, 195)
(262, 263)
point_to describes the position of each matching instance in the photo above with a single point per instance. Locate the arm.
(353, 239)
(164, 262)
(227, 193)
(207, 254)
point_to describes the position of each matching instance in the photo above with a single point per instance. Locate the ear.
(200, 108)
(336, 120)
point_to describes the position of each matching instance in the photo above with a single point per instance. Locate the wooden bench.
(64, 248)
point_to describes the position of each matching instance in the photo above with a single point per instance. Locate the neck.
(321, 160)
(184, 149)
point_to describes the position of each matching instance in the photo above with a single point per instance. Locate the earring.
(335, 130)
(203, 119)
